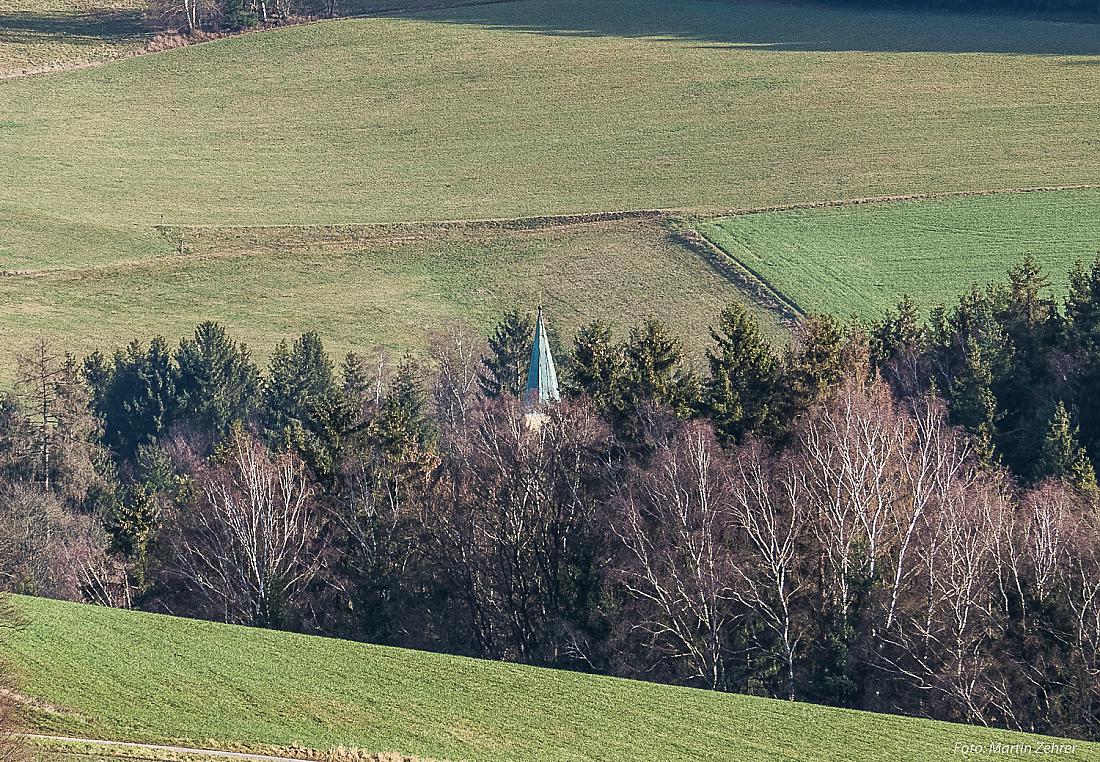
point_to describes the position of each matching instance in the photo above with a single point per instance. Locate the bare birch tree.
(769, 510)
(675, 523)
(249, 546)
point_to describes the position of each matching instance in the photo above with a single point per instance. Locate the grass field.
(860, 260)
(44, 35)
(525, 108)
(162, 679)
(361, 288)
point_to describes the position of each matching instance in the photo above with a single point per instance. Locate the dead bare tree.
(675, 524)
(850, 449)
(249, 546)
(457, 357)
(39, 380)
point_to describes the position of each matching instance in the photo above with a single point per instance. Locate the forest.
(900, 515)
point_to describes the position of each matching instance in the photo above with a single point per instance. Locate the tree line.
(900, 515)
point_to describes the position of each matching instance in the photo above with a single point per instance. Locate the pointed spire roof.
(542, 376)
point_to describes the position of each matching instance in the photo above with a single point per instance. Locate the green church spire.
(542, 377)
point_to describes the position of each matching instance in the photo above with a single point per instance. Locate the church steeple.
(542, 377)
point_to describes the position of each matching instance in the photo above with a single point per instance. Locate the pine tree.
(218, 383)
(1062, 457)
(139, 399)
(654, 370)
(303, 407)
(740, 394)
(596, 367)
(1083, 306)
(301, 383)
(236, 16)
(504, 370)
(402, 426)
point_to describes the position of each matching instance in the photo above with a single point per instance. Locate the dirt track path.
(173, 749)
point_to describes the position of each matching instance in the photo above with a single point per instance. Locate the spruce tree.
(1062, 457)
(504, 369)
(899, 331)
(1083, 306)
(236, 15)
(654, 370)
(135, 394)
(218, 383)
(303, 407)
(814, 363)
(596, 367)
(740, 394)
(973, 403)
(402, 426)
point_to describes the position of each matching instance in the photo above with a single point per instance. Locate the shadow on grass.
(108, 26)
(784, 26)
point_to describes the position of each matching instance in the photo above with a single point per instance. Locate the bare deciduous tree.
(249, 546)
(771, 515)
(675, 523)
(513, 528)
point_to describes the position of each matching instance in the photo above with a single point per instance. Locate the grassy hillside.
(124, 675)
(362, 288)
(860, 260)
(41, 35)
(533, 107)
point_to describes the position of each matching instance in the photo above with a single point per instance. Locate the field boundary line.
(898, 198)
(747, 280)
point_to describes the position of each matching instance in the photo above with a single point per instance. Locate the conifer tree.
(1062, 457)
(898, 331)
(217, 381)
(973, 403)
(402, 426)
(302, 403)
(654, 370)
(137, 399)
(236, 15)
(814, 363)
(740, 392)
(1083, 305)
(504, 369)
(596, 367)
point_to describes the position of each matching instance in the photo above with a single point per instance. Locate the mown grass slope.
(124, 675)
(362, 288)
(860, 260)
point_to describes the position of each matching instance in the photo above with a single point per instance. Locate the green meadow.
(162, 679)
(538, 107)
(860, 260)
(361, 288)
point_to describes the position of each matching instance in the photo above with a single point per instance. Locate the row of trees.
(899, 516)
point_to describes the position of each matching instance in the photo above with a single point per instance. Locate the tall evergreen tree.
(899, 331)
(815, 363)
(217, 381)
(655, 370)
(303, 405)
(740, 394)
(596, 367)
(1062, 457)
(135, 394)
(973, 403)
(504, 369)
(1083, 305)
